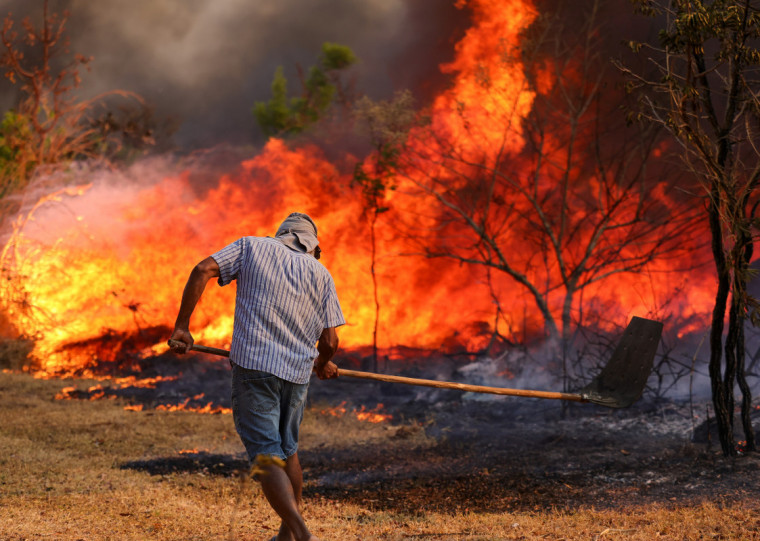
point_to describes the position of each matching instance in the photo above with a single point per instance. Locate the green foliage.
(374, 185)
(696, 24)
(275, 114)
(16, 158)
(387, 124)
(15, 353)
(646, 7)
(321, 88)
(7, 127)
(634, 46)
(337, 57)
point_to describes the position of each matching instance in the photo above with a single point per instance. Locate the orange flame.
(97, 276)
(362, 414)
(373, 415)
(184, 406)
(335, 411)
(67, 393)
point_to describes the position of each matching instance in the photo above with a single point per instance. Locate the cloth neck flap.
(298, 232)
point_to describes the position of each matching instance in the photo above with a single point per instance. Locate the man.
(285, 304)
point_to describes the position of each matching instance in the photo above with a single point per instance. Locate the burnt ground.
(489, 453)
(497, 454)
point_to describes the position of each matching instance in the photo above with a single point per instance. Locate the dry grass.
(14, 352)
(62, 477)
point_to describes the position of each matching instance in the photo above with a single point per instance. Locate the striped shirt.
(285, 299)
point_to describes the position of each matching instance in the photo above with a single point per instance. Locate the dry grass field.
(91, 470)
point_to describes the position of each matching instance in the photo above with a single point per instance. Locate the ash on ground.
(490, 453)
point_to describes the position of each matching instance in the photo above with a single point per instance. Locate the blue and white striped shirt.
(285, 299)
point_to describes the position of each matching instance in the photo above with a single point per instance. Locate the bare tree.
(571, 207)
(706, 92)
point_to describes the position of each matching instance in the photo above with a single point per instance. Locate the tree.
(557, 196)
(16, 156)
(706, 93)
(321, 87)
(49, 125)
(131, 130)
(387, 124)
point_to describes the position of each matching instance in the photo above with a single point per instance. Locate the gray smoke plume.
(206, 62)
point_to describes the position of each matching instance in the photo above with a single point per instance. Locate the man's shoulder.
(262, 242)
(255, 240)
(275, 248)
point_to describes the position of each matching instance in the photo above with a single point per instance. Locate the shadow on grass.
(485, 460)
(449, 479)
(442, 478)
(200, 462)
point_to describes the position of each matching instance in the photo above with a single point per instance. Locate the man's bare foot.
(288, 537)
(284, 534)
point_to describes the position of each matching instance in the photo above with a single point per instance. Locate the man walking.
(286, 312)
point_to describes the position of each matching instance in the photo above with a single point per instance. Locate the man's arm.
(327, 346)
(196, 283)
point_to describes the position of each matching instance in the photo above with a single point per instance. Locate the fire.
(95, 272)
(335, 411)
(185, 406)
(98, 391)
(66, 393)
(373, 415)
(110, 392)
(362, 414)
(504, 99)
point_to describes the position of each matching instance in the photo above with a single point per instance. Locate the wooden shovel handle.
(460, 386)
(197, 347)
(425, 382)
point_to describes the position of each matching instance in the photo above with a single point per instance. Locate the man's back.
(285, 298)
(286, 302)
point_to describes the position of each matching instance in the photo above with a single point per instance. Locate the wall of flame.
(112, 253)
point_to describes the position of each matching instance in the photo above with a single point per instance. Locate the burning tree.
(706, 93)
(49, 125)
(387, 124)
(529, 171)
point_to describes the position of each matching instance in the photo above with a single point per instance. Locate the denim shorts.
(267, 412)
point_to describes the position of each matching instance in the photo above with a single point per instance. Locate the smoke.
(206, 63)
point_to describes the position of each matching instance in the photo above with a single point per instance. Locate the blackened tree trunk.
(739, 308)
(373, 270)
(705, 93)
(723, 415)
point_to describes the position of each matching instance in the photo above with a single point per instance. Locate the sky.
(205, 63)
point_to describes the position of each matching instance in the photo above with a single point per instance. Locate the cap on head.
(299, 232)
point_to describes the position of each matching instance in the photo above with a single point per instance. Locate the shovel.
(618, 385)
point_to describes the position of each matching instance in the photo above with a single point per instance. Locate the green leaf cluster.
(283, 115)
(16, 160)
(697, 23)
(387, 124)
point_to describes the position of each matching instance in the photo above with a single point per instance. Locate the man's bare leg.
(282, 488)
(295, 474)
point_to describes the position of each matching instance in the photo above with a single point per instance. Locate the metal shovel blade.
(623, 378)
